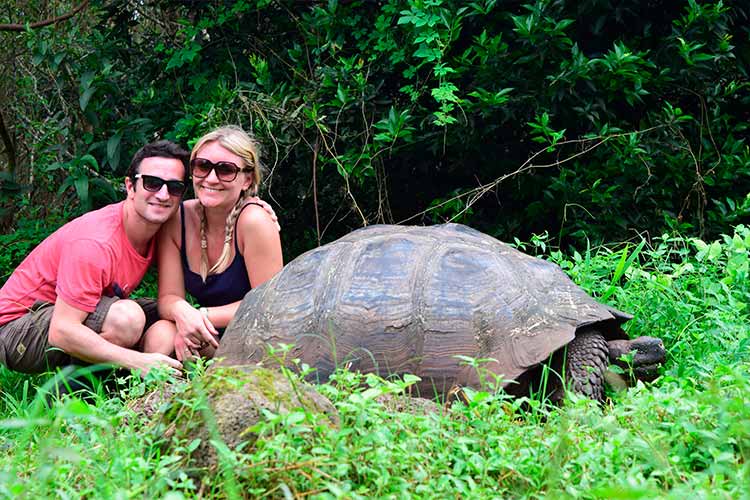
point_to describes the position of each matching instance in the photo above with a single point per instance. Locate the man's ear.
(129, 186)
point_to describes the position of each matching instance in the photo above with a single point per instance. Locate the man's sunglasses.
(225, 170)
(154, 184)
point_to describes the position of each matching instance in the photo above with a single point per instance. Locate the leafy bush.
(634, 117)
(17, 245)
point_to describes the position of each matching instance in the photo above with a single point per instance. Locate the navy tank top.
(220, 289)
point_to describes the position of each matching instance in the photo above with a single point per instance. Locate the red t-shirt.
(86, 259)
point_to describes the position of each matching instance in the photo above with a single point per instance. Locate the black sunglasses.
(154, 184)
(225, 170)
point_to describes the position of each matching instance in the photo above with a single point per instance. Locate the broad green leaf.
(89, 160)
(82, 188)
(86, 79)
(83, 101)
(113, 150)
(67, 182)
(714, 251)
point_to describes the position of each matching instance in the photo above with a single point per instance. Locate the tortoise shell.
(410, 299)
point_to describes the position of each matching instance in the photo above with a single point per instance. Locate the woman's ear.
(248, 184)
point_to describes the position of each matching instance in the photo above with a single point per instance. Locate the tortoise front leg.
(585, 363)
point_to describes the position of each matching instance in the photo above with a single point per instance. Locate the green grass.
(685, 436)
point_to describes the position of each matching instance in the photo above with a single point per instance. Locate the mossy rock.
(414, 405)
(226, 404)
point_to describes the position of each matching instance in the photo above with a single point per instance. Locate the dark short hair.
(160, 149)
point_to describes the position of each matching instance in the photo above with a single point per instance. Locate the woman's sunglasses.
(154, 184)
(225, 170)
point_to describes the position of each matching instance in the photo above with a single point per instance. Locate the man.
(67, 300)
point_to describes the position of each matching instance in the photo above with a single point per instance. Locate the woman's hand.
(194, 331)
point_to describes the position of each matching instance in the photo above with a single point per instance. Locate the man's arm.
(68, 333)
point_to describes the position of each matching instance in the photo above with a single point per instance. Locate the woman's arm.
(193, 328)
(171, 284)
(260, 244)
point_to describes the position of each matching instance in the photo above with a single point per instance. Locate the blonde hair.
(239, 142)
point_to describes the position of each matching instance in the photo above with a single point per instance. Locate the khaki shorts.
(24, 342)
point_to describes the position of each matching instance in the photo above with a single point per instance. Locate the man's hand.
(145, 362)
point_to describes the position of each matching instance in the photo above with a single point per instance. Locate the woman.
(218, 247)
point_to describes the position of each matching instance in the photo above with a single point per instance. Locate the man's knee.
(124, 323)
(160, 337)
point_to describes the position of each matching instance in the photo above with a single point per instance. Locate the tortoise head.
(641, 358)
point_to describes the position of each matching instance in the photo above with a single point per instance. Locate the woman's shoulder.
(170, 230)
(254, 214)
(257, 232)
(255, 219)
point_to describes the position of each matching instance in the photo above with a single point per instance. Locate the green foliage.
(686, 434)
(17, 245)
(635, 117)
(690, 293)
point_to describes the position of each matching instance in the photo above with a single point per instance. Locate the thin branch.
(9, 146)
(46, 22)
(315, 187)
(473, 195)
(346, 177)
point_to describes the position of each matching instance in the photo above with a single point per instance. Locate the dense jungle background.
(603, 120)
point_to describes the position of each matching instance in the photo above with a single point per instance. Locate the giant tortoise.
(421, 300)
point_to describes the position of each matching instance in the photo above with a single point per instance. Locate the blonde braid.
(204, 246)
(223, 262)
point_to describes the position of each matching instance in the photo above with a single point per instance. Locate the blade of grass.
(622, 266)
